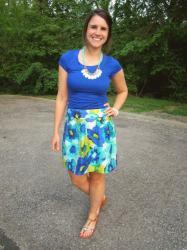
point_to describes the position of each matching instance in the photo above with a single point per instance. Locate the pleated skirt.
(89, 142)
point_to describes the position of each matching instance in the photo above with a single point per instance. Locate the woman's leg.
(97, 191)
(82, 181)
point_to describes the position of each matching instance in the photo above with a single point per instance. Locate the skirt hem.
(90, 172)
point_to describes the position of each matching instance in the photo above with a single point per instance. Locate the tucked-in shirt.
(84, 93)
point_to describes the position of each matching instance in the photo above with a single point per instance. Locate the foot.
(88, 229)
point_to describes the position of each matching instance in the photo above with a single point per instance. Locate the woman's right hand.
(55, 143)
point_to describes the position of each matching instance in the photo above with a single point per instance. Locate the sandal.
(89, 221)
(87, 228)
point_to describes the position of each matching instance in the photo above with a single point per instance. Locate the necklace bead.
(89, 75)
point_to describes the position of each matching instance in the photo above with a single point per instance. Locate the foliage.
(43, 79)
(149, 40)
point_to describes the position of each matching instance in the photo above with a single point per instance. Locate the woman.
(89, 139)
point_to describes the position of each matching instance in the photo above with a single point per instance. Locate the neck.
(95, 52)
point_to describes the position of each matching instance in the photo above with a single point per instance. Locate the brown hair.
(106, 16)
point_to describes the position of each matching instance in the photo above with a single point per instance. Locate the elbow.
(124, 92)
(127, 91)
(65, 101)
(62, 98)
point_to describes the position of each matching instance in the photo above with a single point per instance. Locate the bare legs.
(94, 186)
(81, 182)
(97, 192)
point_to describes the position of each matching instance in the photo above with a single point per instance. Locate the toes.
(84, 234)
(88, 229)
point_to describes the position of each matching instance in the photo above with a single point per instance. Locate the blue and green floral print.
(89, 141)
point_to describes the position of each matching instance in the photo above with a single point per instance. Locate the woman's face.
(97, 32)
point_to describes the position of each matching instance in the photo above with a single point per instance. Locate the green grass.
(140, 105)
(145, 104)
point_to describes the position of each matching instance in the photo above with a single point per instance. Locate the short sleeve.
(63, 61)
(114, 67)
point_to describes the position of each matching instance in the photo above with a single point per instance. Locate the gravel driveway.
(41, 210)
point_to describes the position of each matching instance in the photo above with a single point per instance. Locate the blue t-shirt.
(86, 93)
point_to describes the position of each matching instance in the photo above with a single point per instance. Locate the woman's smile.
(97, 31)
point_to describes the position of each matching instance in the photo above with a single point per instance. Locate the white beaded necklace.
(97, 73)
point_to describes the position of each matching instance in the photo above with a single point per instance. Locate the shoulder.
(68, 54)
(113, 64)
(67, 58)
(111, 59)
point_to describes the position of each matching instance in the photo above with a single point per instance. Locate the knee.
(97, 178)
(77, 182)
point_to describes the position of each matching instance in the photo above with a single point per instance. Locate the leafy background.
(149, 40)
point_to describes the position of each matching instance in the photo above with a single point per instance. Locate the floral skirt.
(89, 141)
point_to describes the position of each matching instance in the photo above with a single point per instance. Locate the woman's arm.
(122, 91)
(60, 106)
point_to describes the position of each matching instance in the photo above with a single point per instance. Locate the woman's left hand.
(110, 110)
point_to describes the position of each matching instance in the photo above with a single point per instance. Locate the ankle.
(92, 216)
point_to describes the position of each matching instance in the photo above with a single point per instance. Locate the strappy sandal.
(87, 228)
(92, 229)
